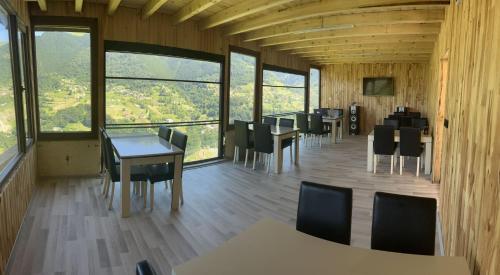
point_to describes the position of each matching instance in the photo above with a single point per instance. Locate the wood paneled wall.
(15, 197)
(342, 84)
(127, 25)
(470, 171)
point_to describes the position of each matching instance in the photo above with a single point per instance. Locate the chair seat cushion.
(160, 172)
(419, 152)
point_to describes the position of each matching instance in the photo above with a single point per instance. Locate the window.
(314, 89)
(8, 128)
(243, 77)
(283, 91)
(148, 86)
(24, 86)
(66, 83)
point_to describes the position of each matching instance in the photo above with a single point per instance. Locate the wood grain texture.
(15, 197)
(342, 84)
(69, 230)
(470, 171)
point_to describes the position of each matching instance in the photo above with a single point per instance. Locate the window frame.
(55, 21)
(153, 49)
(256, 55)
(319, 85)
(280, 69)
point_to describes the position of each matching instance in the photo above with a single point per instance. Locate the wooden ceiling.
(324, 32)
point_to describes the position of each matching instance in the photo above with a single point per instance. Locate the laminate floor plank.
(69, 230)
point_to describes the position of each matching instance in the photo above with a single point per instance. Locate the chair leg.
(374, 164)
(110, 205)
(320, 140)
(268, 163)
(104, 182)
(418, 165)
(182, 195)
(254, 157)
(291, 154)
(152, 196)
(401, 165)
(234, 154)
(392, 164)
(144, 191)
(246, 157)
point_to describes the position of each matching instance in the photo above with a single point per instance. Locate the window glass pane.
(160, 67)
(64, 80)
(242, 87)
(8, 130)
(275, 78)
(24, 86)
(279, 100)
(313, 89)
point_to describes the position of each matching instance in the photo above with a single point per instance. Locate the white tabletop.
(278, 130)
(271, 247)
(143, 146)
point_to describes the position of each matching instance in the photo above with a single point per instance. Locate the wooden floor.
(69, 230)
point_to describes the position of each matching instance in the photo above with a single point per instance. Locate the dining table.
(272, 247)
(146, 150)
(426, 139)
(335, 132)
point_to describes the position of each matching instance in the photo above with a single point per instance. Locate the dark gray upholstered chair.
(383, 144)
(410, 146)
(242, 140)
(165, 132)
(317, 127)
(263, 143)
(303, 125)
(270, 120)
(392, 122)
(287, 122)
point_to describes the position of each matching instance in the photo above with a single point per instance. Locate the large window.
(148, 86)
(314, 89)
(242, 79)
(283, 91)
(24, 84)
(8, 130)
(65, 63)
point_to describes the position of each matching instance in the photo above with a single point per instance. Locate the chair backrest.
(302, 122)
(165, 132)
(403, 224)
(393, 117)
(398, 114)
(325, 212)
(109, 157)
(242, 134)
(383, 140)
(316, 124)
(270, 120)
(144, 268)
(420, 123)
(409, 142)
(391, 122)
(179, 140)
(414, 114)
(317, 111)
(405, 121)
(286, 122)
(263, 139)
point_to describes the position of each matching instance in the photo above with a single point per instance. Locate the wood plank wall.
(127, 25)
(470, 171)
(342, 84)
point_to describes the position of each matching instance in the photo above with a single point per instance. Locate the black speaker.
(354, 119)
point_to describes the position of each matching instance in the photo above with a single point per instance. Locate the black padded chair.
(414, 114)
(317, 127)
(392, 122)
(325, 212)
(403, 224)
(409, 146)
(263, 143)
(383, 144)
(303, 125)
(420, 123)
(137, 173)
(144, 268)
(405, 121)
(270, 120)
(165, 132)
(287, 122)
(394, 117)
(165, 172)
(242, 139)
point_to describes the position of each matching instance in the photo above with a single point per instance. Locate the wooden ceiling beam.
(78, 6)
(372, 46)
(358, 19)
(368, 61)
(370, 39)
(368, 52)
(42, 4)
(244, 8)
(151, 7)
(381, 30)
(113, 6)
(193, 8)
(324, 8)
(372, 59)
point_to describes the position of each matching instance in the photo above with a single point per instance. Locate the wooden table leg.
(297, 142)
(177, 185)
(334, 131)
(369, 157)
(125, 182)
(341, 128)
(428, 157)
(278, 155)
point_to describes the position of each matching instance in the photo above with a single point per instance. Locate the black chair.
(144, 268)
(303, 125)
(165, 172)
(137, 173)
(317, 127)
(325, 212)
(263, 143)
(405, 121)
(403, 224)
(420, 123)
(414, 114)
(242, 140)
(409, 146)
(287, 122)
(165, 132)
(391, 122)
(270, 120)
(394, 117)
(383, 144)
